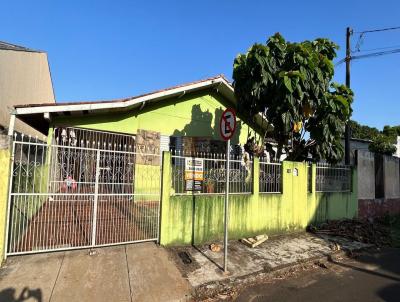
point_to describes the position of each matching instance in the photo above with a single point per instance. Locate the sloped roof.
(9, 46)
(126, 102)
(37, 115)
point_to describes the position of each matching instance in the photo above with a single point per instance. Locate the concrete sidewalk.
(136, 272)
(205, 272)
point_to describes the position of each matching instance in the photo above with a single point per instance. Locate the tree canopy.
(290, 84)
(391, 132)
(382, 145)
(382, 141)
(363, 131)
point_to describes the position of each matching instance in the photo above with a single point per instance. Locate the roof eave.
(220, 84)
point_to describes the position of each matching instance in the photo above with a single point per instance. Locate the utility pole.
(347, 130)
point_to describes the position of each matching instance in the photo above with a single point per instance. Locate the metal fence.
(210, 174)
(65, 197)
(270, 177)
(333, 178)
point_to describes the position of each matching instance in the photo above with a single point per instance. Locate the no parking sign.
(227, 127)
(227, 124)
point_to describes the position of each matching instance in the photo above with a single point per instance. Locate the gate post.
(256, 176)
(5, 173)
(95, 199)
(165, 194)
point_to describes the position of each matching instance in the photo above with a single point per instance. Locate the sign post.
(227, 127)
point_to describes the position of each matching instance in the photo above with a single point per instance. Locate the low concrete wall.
(378, 185)
(366, 174)
(392, 177)
(198, 219)
(373, 208)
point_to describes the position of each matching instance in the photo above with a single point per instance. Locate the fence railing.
(206, 174)
(333, 178)
(270, 178)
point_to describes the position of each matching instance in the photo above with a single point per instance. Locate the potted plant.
(209, 185)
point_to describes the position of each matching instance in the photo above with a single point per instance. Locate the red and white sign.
(227, 124)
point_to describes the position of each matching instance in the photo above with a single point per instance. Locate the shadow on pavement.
(363, 270)
(9, 295)
(387, 262)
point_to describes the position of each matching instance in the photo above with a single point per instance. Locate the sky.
(100, 50)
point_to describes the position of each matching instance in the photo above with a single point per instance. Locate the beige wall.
(24, 79)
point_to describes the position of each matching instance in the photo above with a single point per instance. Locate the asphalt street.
(373, 276)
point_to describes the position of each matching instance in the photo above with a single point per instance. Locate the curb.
(213, 288)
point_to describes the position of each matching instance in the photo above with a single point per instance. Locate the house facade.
(192, 110)
(153, 168)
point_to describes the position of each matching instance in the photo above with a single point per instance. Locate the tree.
(391, 133)
(382, 145)
(363, 131)
(290, 84)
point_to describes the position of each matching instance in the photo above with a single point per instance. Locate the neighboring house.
(357, 144)
(24, 78)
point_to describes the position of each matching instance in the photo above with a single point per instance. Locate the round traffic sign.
(227, 124)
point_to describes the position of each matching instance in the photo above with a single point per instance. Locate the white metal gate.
(68, 196)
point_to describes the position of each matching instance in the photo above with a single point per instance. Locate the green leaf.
(288, 83)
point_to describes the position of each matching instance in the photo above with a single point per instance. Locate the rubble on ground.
(254, 241)
(215, 247)
(366, 231)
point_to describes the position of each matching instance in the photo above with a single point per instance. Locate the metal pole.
(347, 133)
(226, 216)
(96, 196)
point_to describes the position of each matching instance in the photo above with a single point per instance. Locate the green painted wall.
(147, 181)
(191, 115)
(4, 178)
(199, 219)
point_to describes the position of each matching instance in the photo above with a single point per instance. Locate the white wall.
(397, 154)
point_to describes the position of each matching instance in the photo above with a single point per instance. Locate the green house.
(106, 175)
(189, 110)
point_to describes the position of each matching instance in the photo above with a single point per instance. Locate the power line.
(340, 62)
(377, 30)
(360, 40)
(374, 54)
(379, 48)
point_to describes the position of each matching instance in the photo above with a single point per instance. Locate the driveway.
(374, 276)
(136, 272)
